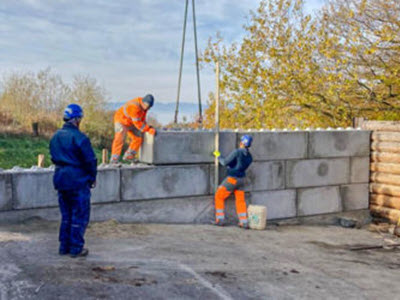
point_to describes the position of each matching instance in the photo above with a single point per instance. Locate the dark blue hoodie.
(73, 155)
(237, 162)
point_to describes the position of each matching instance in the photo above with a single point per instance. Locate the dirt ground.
(129, 261)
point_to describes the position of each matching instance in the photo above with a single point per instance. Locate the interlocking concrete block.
(317, 172)
(33, 189)
(164, 182)
(5, 191)
(107, 186)
(355, 196)
(359, 169)
(184, 147)
(321, 200)
(278, 145)
(280, 204)
(339, 143)
(261, 176)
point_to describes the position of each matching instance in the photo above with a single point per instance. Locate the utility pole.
(196, 61)
(181, 63)
(197, 64)
(216, 164)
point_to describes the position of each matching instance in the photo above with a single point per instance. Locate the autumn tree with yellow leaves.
(292, 69)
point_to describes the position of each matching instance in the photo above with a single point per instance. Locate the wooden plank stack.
(385, 169)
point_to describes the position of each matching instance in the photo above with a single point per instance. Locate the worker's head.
(147, 102)
(73, 114)
(245, 141)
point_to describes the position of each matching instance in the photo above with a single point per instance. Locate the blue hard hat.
(73, 111)
(246, 140)
(149, 99)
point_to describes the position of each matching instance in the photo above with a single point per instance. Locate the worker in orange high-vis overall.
(236, 162)
(131, 119)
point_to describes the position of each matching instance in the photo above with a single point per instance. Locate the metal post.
(216, 164)
(181, 63)
(197, 63)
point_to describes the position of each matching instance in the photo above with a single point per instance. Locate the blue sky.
(131, 47)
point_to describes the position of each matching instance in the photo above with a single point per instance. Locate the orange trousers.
(229, 185)
(118, 143)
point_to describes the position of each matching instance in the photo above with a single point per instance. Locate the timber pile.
(385, 169)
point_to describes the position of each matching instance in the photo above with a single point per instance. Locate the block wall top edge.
(278, 130)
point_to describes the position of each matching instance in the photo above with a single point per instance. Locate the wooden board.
(388, 147)
(381, 125)
(385, 168)
(385, 178)
(385, 157)
(391, 214)
(382, 136)
(385, 189)
(385, 201)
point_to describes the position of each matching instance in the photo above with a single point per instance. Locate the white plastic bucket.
(257, 215)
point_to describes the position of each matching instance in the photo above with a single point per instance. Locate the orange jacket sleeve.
(137, 116)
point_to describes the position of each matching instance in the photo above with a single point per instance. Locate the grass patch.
(23, 150)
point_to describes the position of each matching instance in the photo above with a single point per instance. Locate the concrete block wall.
(294, 174)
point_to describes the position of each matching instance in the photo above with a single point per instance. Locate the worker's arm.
(137, 118)
(89, 159)
(229, 159)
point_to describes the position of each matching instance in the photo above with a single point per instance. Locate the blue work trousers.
(75, 215)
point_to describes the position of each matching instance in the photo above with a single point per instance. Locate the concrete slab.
(164, 182)
(184, 147)
(321, 200)
(107, 186)
(317, 172)
(359, 169)
(339, 143)
(278, 145)
(280, 204)
(260, 176)
(355, 196)
(5, 191)
(33, 189)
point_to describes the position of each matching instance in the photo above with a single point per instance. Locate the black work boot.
(83, 253)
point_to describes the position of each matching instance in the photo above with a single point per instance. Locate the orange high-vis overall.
(129, 119)
(229, 185)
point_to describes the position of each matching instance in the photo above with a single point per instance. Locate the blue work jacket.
(237, 162)
(73, 155)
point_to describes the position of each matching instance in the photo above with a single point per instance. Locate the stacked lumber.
(385, 169)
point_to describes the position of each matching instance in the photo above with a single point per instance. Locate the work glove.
(93, 185)
(152, 131)
(216, 153)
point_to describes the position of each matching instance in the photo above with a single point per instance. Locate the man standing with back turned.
(75, 175)
(237, 163)
(131, 119)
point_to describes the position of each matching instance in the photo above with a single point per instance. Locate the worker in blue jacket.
(236, 163)
(75, 174)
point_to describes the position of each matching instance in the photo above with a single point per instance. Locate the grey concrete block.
(164, 182)
(261, 176)
(355, 196)
(278, 145)
(321, 200)
(5, 191)
(33, 189)
(359, 169)
(184, 147)
(317, 172)
(339, 143)
(107, 186)
(280, 204)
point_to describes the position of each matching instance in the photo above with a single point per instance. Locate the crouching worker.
(236, 162)
(131, 119)
(75, 175)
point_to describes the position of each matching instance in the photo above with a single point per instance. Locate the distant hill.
(165, 112)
